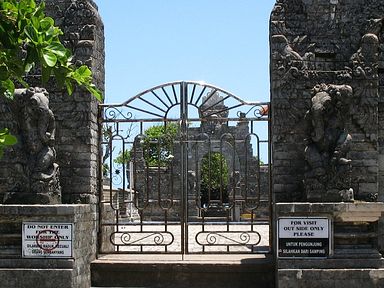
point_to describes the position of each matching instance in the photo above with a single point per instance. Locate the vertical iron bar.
(258, 191)
(184, 167)
(209, 175)
(124, 174)
(100, 180)
(186, 142)
(234, 183)
(166, 228)
(271, 195)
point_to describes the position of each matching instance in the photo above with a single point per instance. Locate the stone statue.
(37, 135)
(214, 111)
(327, 175)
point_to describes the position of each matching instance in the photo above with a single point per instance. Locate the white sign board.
(303, 237)
(47, 240)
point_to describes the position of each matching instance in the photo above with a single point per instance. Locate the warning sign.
(47, 240)
(303, 237)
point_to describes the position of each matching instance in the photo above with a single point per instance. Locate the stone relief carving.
(328, 170)
(364, 61)
(288, 66)
(364, 68)
(79, 19)
(341, 30)
(374, 26)
(37, 135)
(286, 61)
(288, 6)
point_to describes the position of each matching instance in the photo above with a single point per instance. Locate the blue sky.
(222, 42)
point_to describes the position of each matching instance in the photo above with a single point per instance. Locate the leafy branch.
(30, 40)
(6, 140)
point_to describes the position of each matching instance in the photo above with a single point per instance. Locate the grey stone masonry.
(323, 42)
(354, 259)
(74, 272)
(333, 278)
(77, 129)
(76, 116)
(327, 76)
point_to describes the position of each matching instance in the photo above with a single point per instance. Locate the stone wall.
(322, 41)
(16, 271)
(77, 148)
(326, 77)
(76, 116)
(352, 278)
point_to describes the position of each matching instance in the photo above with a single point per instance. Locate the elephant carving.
(327, 174)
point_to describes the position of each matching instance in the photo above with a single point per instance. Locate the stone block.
(368, 188)
(42, 270)
(325, 278)
(42, 278)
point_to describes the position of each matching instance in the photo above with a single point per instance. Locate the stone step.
(192, 271)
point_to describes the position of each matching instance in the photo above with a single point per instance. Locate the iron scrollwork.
(228, 238)
(139, 238)
(259, 111)
(115, 113)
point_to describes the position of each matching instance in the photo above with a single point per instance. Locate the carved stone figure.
(327, 176)
(37, 133)
(286, 60)
(365, 59)
(366, 94)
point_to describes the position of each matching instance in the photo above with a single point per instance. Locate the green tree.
(157, 145)
(29, 40)
(214, 177)
(214, 171)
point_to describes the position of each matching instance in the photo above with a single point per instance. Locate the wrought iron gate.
(183, 172)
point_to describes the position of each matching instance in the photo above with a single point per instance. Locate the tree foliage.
(214, 178)
(157, 145)
(30, 40)
(214, 171)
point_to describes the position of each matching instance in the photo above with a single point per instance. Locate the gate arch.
(156, 208)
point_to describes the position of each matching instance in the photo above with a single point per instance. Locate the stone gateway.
(314, 212)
